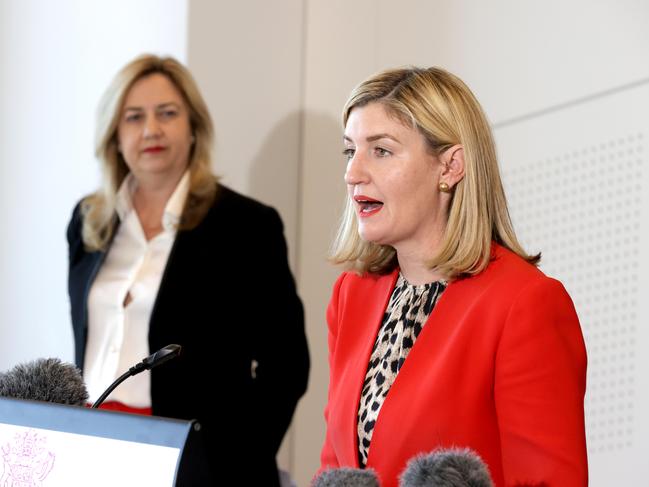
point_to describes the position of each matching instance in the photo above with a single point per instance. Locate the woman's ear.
(452, 160)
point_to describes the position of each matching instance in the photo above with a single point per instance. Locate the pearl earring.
(444, 188)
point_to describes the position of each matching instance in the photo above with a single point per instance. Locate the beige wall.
(276, 75)
(247, 59)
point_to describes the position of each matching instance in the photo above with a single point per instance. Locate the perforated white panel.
(575, 179)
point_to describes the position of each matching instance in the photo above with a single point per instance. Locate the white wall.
(57, 58)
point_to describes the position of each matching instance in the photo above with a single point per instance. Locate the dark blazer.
(228, 297)
(500, 367)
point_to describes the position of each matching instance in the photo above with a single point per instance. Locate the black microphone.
(158, 358)
(455, 467)
(346, 477)
(47, 380)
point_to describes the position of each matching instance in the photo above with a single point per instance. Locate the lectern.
(48, 444)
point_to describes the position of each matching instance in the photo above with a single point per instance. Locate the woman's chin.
(372, 237)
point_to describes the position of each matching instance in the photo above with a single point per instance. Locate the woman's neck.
(414, 265)
(149, 202)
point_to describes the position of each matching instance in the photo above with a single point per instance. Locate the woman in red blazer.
(443, 332)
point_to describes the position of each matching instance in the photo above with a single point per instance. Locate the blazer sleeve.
(539, 389)
(281, 349)
(82, 266)
(328, 457)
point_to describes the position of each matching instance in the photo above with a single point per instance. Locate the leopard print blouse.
(404, 318)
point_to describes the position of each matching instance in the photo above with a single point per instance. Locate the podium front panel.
(48, 444)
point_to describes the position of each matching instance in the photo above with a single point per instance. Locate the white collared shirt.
(118, 335)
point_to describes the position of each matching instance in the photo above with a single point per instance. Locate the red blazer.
(500, 367)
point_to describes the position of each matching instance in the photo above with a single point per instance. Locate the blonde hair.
(443, 109)
(99, 217)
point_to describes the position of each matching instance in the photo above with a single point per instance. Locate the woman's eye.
(348, 153)
(133, 117)
(168, 113)
(381, 152)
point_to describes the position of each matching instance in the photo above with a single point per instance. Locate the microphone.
(158, 358)
(346, 477)
(47, 380)
(455, 467)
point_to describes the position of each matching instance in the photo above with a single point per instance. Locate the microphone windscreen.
(455, 467)
(45, 380)
(346, 477)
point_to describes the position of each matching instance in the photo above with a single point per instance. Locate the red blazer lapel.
(369, 299)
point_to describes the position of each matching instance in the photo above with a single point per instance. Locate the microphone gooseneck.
(158, 358)
(161, 356)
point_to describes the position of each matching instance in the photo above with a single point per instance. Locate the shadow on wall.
(299, 169)
(300, 147)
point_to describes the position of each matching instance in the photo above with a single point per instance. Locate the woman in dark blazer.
(212, 277)
(443, 332)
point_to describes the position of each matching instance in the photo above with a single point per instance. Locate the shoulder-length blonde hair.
(99, 208)
(443, 109)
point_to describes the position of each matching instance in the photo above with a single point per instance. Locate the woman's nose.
(151, 127)
(356, 171)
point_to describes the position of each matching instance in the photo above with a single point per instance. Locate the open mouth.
(367, 206)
